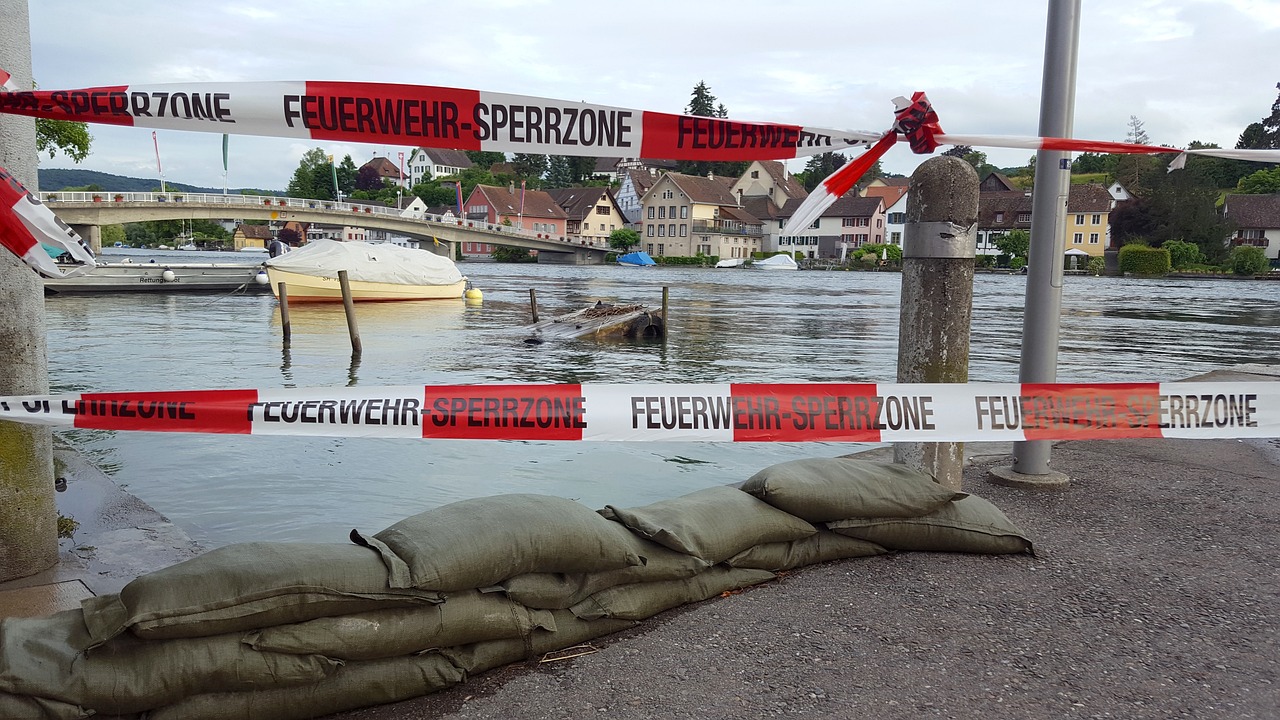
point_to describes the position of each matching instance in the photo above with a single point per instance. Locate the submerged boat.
(636, 259)
(375, 272)
(161, 277)
(783, 261)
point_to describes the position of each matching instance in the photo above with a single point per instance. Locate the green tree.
(1135, 133)
(1271, 123)
(347, 172)
(1248, 260)
(112, 234)
(312, 178)
(72, 138)
(623, 239)
(559, 172)
(486, 159)
(702, 102)
(435, 193)
(819, 167)
(1183, 254)
(1254, 137)
(1262, 182)
(1087, 163)
(530, 166)
(512, 255)
(1015, 243)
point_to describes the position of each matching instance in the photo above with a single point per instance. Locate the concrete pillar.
(91, 234)
(937, 297)
(28, 514)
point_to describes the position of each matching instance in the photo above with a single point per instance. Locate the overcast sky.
(1189, 69)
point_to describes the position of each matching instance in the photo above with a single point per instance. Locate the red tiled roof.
(536, 203)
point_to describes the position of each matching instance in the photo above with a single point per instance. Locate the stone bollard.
(937, 297)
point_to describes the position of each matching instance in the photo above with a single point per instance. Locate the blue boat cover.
(636, 258)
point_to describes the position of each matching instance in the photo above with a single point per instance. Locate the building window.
(662, 212)
(815, 223)
(673, 212)
(684, 212)
(846, 222)
(1251, 234)
(650, 212)
(602, 209)
(1077, 238)
(661, 248)
(846, 238)
(1097, 219)
(895, 238)
(898, 218)
(755, 174)
(671, 229)
(1093, 238)
(879, 223)
(662, 230)
(860, 239)
(999, 217)
(1080, 219)
(649, 248)
(684, 230)
(649, 232)
(601, 227)
(1024, 217)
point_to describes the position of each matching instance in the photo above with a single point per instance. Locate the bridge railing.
(286, 203)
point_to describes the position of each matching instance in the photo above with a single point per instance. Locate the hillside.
(60, 179)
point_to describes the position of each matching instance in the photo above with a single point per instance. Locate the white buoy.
(168, 275)
(261, 278)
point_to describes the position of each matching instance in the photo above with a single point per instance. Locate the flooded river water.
(726, 325)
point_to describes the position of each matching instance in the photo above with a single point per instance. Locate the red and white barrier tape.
(452, 118)
(25, 222)
(721, 412)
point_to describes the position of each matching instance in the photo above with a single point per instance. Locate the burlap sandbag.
(248, 586)
(49, 657)
(827, 489)
(355, 685)
(560, 591)
(476, 543)
(463, 618)
(570, 630)
(821, 546)
(644, 600)
(713, 524)
(969, 524)
(25, 707)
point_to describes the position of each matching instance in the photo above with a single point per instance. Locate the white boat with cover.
(782, 261)
(375, 272)
(161, 277)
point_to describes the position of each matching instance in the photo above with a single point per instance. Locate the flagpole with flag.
(457, 185)
(520, 215)
(156, 141)
(225, 141)
(337, 194)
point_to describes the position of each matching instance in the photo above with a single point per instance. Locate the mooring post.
(666, 293)
(533, 303)
(937, 297)
(284, 311)
(350, 308)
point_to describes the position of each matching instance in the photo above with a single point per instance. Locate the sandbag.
(461, 619)
(644, 600)
(713, 524)
(827, 489)
(248, 586)
(476, 543)
(23, 707)
(559, 591)
(821, 546)
(969, 524)
(50, 657)
(570, 630)
(355, 685)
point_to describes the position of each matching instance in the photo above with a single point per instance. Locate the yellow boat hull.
(312, 288)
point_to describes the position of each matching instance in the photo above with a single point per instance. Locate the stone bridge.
(87, 212)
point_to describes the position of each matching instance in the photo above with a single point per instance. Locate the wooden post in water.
(533, 303)
(666, 292)
(350, 307)
(284, 311)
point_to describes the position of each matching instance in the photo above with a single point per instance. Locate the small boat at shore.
(375, 272)
(730, 263)
(636, 259)
(782, 261)
(161, 277)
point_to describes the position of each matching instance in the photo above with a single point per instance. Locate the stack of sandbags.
(888, 505)
(266, 630)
